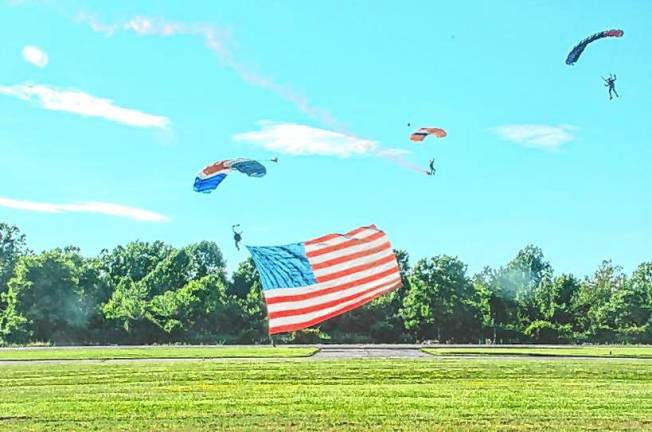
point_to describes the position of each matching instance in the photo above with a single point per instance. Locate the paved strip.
(324, 357)
(338, 353)
(326, 353)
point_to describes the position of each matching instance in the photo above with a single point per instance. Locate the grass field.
(158, 352)
(591, 351)
(433, 395)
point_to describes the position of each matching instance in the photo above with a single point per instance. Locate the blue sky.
(101, 139)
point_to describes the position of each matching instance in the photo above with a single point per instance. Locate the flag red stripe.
(309, 295)
(314, 308)
(356, 269)
(344, 245)
(332, 236)
(345, 258)
(299, 326)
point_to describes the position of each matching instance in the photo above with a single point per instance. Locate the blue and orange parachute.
(576, 52)
(210, 177)
(422, 133)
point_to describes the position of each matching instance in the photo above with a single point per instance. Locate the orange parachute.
(422, 133)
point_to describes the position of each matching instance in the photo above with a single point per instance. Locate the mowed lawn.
(431, 395)
(576, 351)
(152, 352)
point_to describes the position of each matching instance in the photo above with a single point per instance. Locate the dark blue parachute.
(210, 177)
(576, 52)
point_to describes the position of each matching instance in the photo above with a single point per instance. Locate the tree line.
(152, 292)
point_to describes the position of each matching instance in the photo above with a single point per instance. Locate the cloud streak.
(103, 208)
(214, 38)
(84, 104)
(35, 56)
(301, 140)
(399, 156)
(539, 136)
(296, 139)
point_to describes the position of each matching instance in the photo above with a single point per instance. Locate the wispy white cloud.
(214, 38)
(87, 207)
(399, 156)
(392, 152)
(35, 56)
(540, 136)
(78, 102)
(297, 139)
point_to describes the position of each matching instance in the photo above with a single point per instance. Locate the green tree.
(46, 297)
(245, 287)
(441, 303)
(593, 307)
(127, 308)
(632, 307)
(486, 303)
(245, 279)
(201, 311)
(12, 247)
(165, 295)
(134, 261)
(515, 290)
(552, 320)
(558, 303)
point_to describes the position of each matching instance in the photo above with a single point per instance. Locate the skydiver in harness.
(431, 165)
(611, 84)
(237, 236)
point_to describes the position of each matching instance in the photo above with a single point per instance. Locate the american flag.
(310, 282)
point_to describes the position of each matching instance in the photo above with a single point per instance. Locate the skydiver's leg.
(615, 92)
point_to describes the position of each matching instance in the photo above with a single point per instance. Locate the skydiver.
(433, 170)
(611, 84)
(237, 236)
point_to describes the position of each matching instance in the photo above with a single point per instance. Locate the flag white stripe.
(281, 292)
(348, 251)
(300, 304)
(303, 318)
(341, 239)
(353, 263)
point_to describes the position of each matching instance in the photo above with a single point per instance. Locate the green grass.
(443, 395)
(591, 351)
(160, 352)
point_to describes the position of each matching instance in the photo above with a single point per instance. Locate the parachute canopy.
(576, 52)
(210, 177)
(422, 133)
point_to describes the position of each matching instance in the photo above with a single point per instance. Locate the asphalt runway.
(353, 352)
(325, 353)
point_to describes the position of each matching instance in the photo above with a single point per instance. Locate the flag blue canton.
(283, 266)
